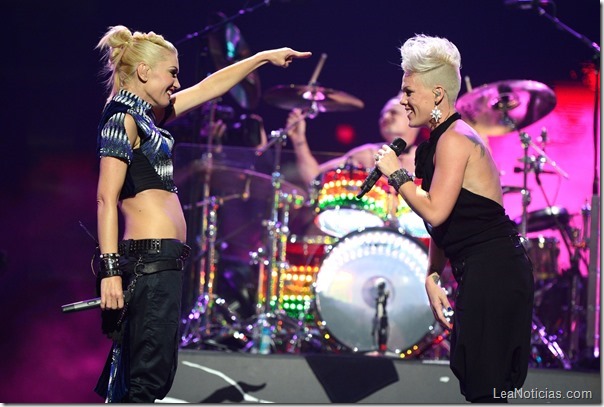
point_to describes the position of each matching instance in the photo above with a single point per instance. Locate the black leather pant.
(153, 322)
(490, 341)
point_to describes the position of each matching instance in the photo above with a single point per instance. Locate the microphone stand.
(213, 27)
(380, 321)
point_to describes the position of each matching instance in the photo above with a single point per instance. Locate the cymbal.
(302, 96)
(244, 183)
(227, 46)
(501, 107)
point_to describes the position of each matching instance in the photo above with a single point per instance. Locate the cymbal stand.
(272, 258)
(198, 324)
(526, 193)
(528, 164)
(539, 333)
(269, 258)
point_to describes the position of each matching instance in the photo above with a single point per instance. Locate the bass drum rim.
(337, 337)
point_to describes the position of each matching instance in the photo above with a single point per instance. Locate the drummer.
(392, 122)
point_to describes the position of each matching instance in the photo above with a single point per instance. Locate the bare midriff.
(154, 214)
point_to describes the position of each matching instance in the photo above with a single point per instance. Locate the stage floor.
(227, 377)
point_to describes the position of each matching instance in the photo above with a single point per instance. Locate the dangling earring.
(436, 114)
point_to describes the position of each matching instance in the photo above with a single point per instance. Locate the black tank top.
(474, 218)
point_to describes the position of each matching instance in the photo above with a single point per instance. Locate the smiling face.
(160, 80)
(393, 123)
(417, 99)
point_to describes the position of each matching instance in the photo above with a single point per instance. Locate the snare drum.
(346, 291)
(339, 210)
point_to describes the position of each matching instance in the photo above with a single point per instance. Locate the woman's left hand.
(439, 303)
(386, 160)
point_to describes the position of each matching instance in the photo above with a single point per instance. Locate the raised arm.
(307, 164)
(223, 80)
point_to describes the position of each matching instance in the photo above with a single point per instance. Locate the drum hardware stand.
(575, 305)
(198, 324)
(539, 331)
(272, 260)
(593, 303)
(577, 310)
(380, 321)
(542, 337)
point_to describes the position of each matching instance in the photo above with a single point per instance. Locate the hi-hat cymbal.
(501, 107)
(227, 46)
(303, 96)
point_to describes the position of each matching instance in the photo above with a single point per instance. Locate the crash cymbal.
(302, 96)
(501, 107)
(229, 181)
(227, 46)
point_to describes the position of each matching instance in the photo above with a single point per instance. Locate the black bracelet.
(109, 265)
(399, 177)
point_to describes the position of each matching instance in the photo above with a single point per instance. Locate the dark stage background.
(53, 98)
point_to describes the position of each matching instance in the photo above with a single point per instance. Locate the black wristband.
(109, 265)
(399, 177)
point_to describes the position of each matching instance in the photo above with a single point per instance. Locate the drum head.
(339, 222)
(346, 289)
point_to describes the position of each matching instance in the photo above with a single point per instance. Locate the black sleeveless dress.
(490, 340)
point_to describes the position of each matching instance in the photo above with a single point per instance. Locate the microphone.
(88, 304)
(526, 4)
(398, 145)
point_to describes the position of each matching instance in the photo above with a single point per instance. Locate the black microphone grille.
(398, 145)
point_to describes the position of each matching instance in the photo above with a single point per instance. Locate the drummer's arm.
(361, 156)
(307, 164)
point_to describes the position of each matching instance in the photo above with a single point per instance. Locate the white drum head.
(346, 289)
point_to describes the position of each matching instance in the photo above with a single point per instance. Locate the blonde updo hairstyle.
(123, 51)
(436, 60)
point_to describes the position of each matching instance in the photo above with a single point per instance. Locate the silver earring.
(436, 114)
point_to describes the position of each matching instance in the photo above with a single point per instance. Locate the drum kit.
(358, 286)
(318, 292)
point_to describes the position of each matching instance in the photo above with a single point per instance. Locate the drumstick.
(468, 84)
(315, 75)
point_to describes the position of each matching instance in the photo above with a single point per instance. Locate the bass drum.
(346, 293)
